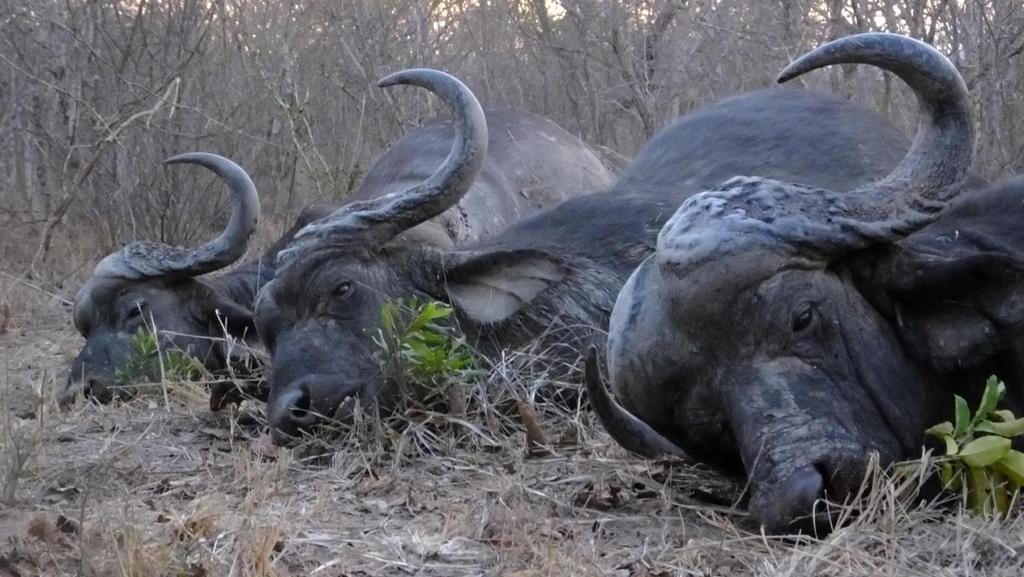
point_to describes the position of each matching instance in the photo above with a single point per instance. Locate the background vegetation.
(95, 93)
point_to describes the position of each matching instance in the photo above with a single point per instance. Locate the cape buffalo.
(791, 330)
(156, 284)
(147, 284)
(554, 275)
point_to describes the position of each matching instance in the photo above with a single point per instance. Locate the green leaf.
(437, 310)
(944, 431)
(1012, 465)
(941, 430)
(430, 312)
(430, 352)
(994, 390)
(963, 416)
(951, 446)
(1014, 428)
(388, 312)
(984, 451)
(1004, 415)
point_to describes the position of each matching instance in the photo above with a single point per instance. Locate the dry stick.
(160, 359)
(69, 193)
(35, 287)
(361, 70)
(356, 149)
(294, 131)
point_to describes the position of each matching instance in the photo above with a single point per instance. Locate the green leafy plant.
(148, 359)
(430, 355)
(979, 458)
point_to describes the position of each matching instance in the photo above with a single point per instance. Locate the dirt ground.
(162, 486)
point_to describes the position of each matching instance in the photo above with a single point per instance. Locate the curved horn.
(761, 220)
(152, 259)
(941, 153)
(378, 220)
(633, 434)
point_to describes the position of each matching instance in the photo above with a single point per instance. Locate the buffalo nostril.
(302, 401)
(300, 415)
(791, 506)
(844, 475)
(300, 407)
(290, 414)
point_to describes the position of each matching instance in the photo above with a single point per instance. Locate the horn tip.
(799, 67)
(189, 158)
(418, 76)
(788, 73)
(400, 77)
(386, 81)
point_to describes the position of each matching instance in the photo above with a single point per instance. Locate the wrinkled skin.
(796, 333)
(532, 164)
(554, 275)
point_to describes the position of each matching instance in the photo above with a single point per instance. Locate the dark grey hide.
(554, 276)
(792, 331)
(532, 164)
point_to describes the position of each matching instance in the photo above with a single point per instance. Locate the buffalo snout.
(300, 407)
(94, 372)
(289, 415)
(805, 500)
(93, 387)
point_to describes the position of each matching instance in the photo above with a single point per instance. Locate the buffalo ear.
(490, 287)
(238, 319)
(952, 289)
(221, 311)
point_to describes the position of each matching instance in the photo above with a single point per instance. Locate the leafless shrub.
(19, 441)
(96, 94)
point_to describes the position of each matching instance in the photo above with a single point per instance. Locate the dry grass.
(148, 488)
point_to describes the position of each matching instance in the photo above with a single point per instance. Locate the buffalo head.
(751, 340)
(320, 314)
(147, 286)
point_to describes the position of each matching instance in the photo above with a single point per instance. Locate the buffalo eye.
(342, 289)
(803, 318)
(134, 312)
